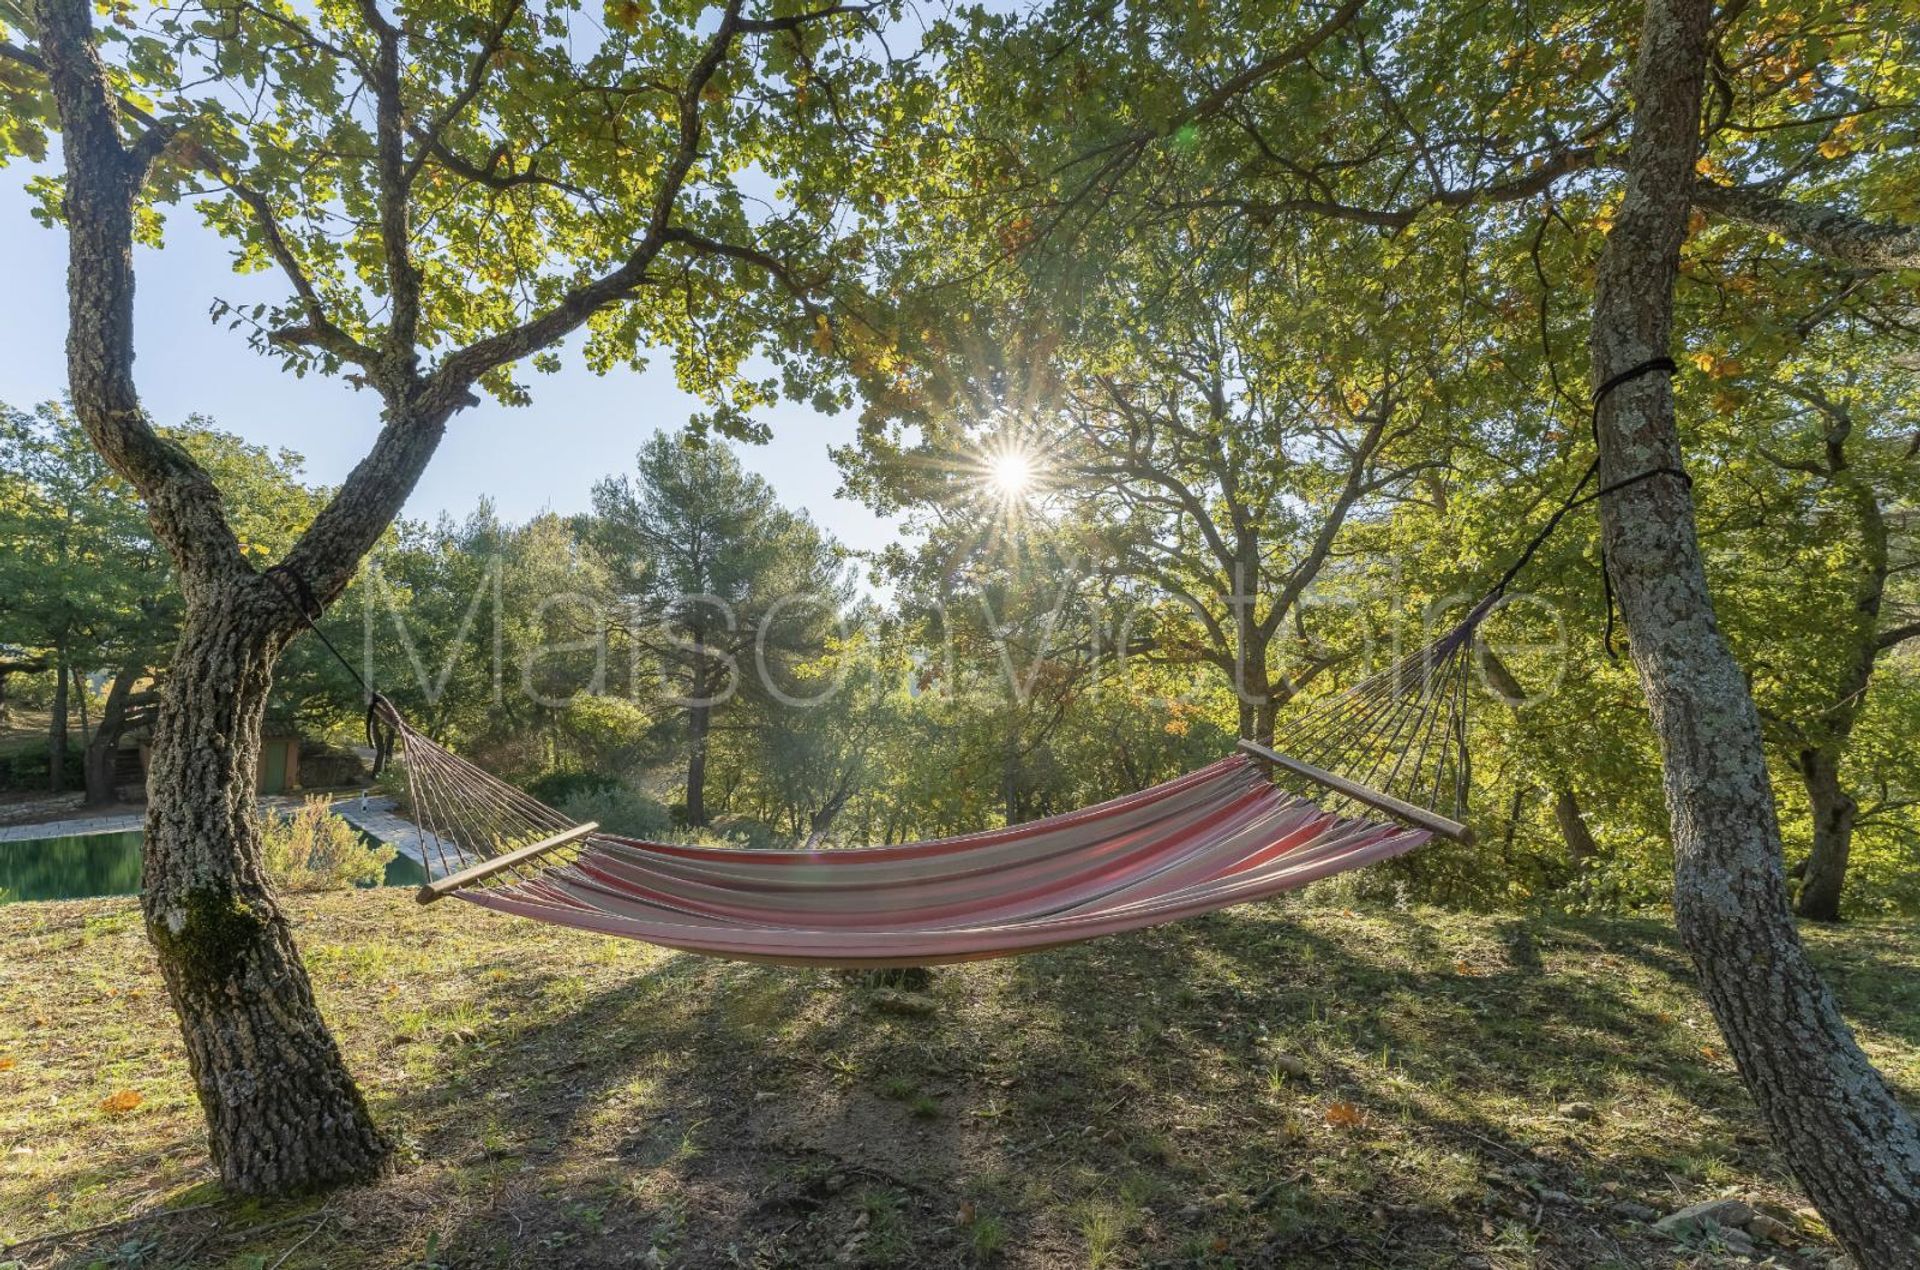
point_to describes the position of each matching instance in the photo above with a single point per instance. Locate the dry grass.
(1287, 1085)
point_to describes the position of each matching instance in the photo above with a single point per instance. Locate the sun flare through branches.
(1012, 473)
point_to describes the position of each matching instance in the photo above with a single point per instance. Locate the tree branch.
(104, 177)
(454, 379)
(1895, 636)
(1839, 236)
(396, 177)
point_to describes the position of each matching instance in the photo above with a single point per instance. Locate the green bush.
(744, 831)
(315, 850)
(392, 783)
(555, 788)
(619, 810)
(23, 768)
(729, 831)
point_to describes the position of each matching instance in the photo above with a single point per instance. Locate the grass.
(1286, 1085)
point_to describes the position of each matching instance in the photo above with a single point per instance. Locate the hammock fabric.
(1225, 834)
(1222, 835)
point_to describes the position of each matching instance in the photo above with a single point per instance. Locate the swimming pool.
(93, 864)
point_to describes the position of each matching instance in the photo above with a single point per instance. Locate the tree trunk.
(1010, 780)
(57, 726)
(1581, 846)
(1259, 707)
(1833, 812)
(821, 822)
(1573, 829)
(699, 723)
(1849, 1142)
(103, 748)
(80, 699)
(10, 668)
(282, 1112)
(1832, 808)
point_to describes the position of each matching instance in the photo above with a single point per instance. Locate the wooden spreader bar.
(1362, 794)
(500, 863)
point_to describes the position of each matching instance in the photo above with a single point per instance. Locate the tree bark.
(282, 1111)
(699, 725)
(1833, 810)
(1837, 235)
(1581, 846)
(57, 726)
(103, 748)
(1853, 1147)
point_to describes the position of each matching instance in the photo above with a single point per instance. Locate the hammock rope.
(1361, 777)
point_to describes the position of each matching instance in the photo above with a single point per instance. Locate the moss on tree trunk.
(283, 1113)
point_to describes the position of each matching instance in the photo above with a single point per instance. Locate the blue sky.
(580, 426)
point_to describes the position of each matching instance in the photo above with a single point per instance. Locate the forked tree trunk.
(1853, 1147)
(1830, 805)
(282, 1112)
(103, 748)
(1567, 815)
(1833, 810)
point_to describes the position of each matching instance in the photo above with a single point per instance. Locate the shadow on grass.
(1280, 1085)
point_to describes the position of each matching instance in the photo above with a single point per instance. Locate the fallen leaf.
(1344, 1115)
(6, 1064)
(124, 1100)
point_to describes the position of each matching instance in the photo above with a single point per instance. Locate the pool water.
(107, 864)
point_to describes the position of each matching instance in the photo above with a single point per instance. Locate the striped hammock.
(1376, 758)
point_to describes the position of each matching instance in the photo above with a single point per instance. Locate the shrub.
(555, 788)
(728, 831)
(392, 783)
(619, 810)
(23, 767)
(744, 831)
(315, 850)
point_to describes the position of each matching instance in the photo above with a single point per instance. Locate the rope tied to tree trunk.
(1578, 498)
(382, 718)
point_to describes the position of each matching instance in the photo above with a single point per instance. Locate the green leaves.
(534, 160)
